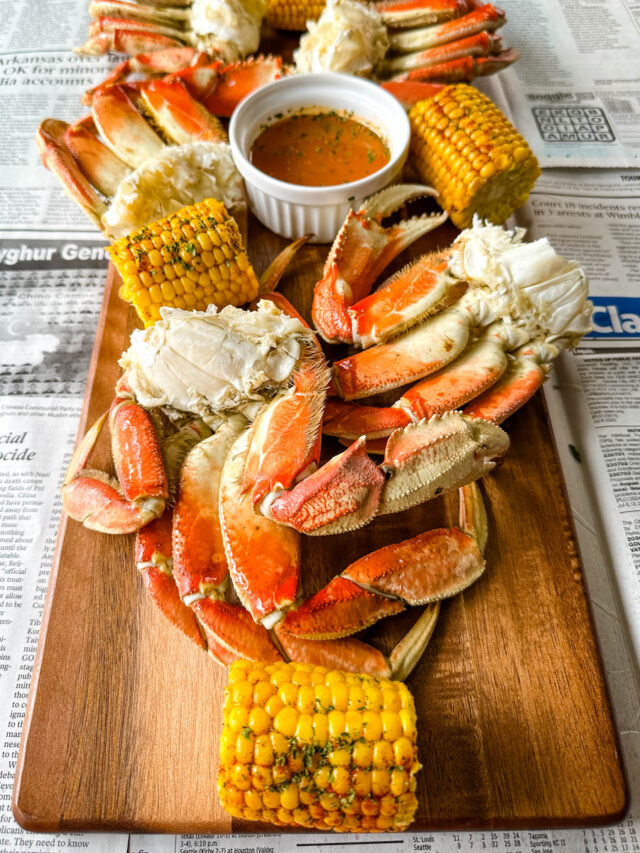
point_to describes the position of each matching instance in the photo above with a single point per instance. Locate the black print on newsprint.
(573, 124)
(50, 300)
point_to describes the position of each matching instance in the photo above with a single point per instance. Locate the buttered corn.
(292, 14)
(325, 749)
(187, 260)
(472, 155)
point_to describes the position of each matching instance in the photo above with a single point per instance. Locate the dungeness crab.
(259, 379)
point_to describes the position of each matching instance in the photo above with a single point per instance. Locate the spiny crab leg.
(361, 250)
(133, 38)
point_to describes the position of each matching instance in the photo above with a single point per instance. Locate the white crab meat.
(527, 284)
(211, 363)
(175, 177)
(230, 27)
(349, 37)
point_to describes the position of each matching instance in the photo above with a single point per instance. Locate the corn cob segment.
(302, 745)
(465, 147)
(187, 260)
(287, 15)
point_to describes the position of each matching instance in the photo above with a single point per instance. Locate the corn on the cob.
(187, 260)
(472, 155)
(326, 749)
(288, 15)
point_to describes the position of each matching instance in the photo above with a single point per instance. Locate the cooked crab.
(244, 493)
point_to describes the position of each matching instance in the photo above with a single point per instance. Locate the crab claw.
(361, 250)
(342, 495)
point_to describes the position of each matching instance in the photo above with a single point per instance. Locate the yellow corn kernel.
(244, 747)
(253, 800)
(371, 725)
(262, 691)
(337, 723)
(242, 694)
(304, 729)
(286, 721)
(391, 725)
(241, 777)
(238, 718)
(288, 694)
(273, 705)
(306, 699)
(263, 750)
(261, 777)
(289, 798)
(362, 754)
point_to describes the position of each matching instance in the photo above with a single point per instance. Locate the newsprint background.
(575, 94)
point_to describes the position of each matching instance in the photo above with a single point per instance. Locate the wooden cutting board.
(515, 728)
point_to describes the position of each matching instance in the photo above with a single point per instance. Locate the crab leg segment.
(58, 158)
(231, 633)
(95, 499)
(200, 564)
(362, 249)
(136, 451)
(477, 369)
(123, 36)
(153, 559)
(483, 19)
(123, 128)
(222, 90)
(415, 13)
(181, 117)
(346, 654)
(519, 383)
(350, 421)
(415, 354)
(462, 70)
(435, 456)
(284, 437)
(263, 556)
(422, 288)
(100, 165)
(479, 44)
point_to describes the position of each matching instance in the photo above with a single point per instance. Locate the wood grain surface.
(515, 728)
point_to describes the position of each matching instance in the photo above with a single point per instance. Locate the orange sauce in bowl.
(319, 149)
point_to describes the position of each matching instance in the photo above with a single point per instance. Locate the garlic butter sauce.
(319, 148)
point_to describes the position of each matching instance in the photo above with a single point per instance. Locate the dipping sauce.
(319, 149)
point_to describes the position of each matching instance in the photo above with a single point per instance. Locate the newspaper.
(52, 269)
(575, 92)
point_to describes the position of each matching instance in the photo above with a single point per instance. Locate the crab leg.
(422, 570)
(362, 249)
(100, 165)
(200, 564)
(96, 500)
(461, 70)
(525, 374)
(413, 355)
(435, 456)
(123, 36)
(123, 128)
(479, 44)
(153, 559)
(415, 13)
(421, 461)
(483, 19)
(263, 556)
(221, 88)
(181, 117)
(58, 158)
(422, 288)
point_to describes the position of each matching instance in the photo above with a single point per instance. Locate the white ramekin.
(293, 210)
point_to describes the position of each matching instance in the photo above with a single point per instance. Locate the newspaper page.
(575, 92)
(52, 269)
